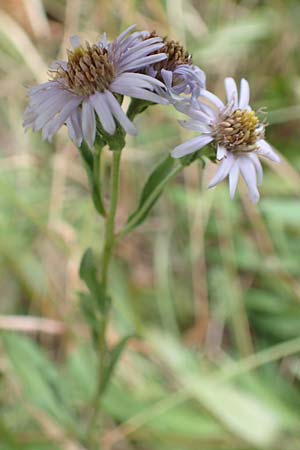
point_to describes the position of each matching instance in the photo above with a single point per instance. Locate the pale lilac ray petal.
(129, 57)
(167, 77)
(244, 94)
(119, 114)
(213, 113)
(54, 124)
(103, 110)
(75, 41)
(249, 174)
(191, 146)
(233, 179)
(141, 62)
(136, 92)
(265, 149)
(212, 98)
(258, 167)
(223, 170)
(221, 152)
(74, 127)
(195, 114)
(40, 87)
(135, 79)
(195, 125)
(49, 109)
(144, 44)
(88, 123)
(231, 91)
(124, 33)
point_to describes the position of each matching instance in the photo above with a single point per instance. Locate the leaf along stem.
(148, 203)
(106, 257)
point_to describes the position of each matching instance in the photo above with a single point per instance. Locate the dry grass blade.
(21, 41)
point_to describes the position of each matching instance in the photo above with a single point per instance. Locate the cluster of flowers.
(88, 87)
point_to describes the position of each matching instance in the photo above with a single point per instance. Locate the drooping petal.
(191, 146)
(258, 167)
(56, 122)
(74, 126)
(231, 91)
(244, 94)
(88, 123)
(223, 170)
(119, 114)
(221, 152)
(265, 149)
(233, 179)
(249, 174)
(99, 102)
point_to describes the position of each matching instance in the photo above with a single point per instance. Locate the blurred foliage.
(210, 286)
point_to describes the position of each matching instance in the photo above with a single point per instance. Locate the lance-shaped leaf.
(152, 191)
(114, 357)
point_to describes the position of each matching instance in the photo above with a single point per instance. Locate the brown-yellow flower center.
(239, 131)
(176, 53)
(88, 70)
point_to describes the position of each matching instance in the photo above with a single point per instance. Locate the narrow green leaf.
(41, 383)
(115, 355)
(152, 191)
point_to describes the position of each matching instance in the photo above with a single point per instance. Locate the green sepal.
(90, 159)
(115, 141)
(137, 106)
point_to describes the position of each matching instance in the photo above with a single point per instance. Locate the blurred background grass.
(212, 286)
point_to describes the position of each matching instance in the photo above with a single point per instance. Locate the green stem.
(97, 193)
(110, 222)
(106, 257)
(155, 193)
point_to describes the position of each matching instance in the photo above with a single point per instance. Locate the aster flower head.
(237, 133)
(177, 72)
(84, 87)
